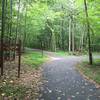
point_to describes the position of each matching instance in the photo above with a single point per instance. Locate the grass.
(33, 58)
(61, 53)
(91, 71)
(66, 53)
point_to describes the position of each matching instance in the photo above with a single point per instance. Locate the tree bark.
(24, 37)
(73, 38)
(88, 33)
(2, 36)
(70, 21)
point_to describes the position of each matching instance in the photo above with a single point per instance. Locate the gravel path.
(64, 82)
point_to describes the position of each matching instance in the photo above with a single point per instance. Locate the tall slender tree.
(70, 27)
(2, 36)
(88, 32)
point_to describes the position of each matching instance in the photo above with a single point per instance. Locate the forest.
(65, 26)
(56, 24)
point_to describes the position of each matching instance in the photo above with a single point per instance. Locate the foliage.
(49, 20)
(34, 59)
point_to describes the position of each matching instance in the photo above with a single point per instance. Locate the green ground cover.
(33, 58)
(91, 71)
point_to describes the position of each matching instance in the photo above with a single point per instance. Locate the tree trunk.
(70, 21)
(2, 36)
(73, 36)
(62, 30)
(18, 15)
(24, 37)
(16, 35)
(88, 33)
(10, 28)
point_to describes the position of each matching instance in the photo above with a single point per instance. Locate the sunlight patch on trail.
(55, 58)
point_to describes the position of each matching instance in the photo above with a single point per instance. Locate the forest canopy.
(57, 24)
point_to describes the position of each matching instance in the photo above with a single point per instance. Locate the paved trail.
(64, 82)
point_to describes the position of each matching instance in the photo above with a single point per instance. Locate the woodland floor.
(27, 86)
(23, 88)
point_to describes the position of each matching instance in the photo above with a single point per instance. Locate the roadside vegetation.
(91, 71)
(62, 53)
(34, 59)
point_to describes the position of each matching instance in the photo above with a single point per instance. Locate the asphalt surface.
(63, 82)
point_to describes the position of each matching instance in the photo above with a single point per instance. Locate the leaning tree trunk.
(88, 33)
(53, 40)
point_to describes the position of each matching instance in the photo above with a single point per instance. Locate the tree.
(65, 28)
(88, 33)
(2, 36)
